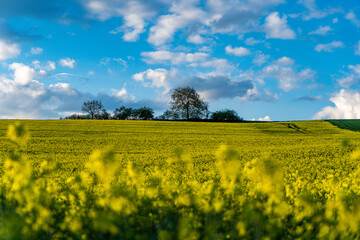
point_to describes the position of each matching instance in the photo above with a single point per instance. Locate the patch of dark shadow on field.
(296, 128)
(348, 124)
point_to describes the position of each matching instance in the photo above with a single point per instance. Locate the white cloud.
(67, 62)
(134, 13)
(357, 49)
(260, 58)
(352, 77)
(196, 39)
(285, 61)
(197, 59)
(62, 88)
(36, 50)
(286, 74)
(237, 16)
(122, 94)
(174, 57)
(263, 119)
(322, 30)
(335, 20)
(276, 27)
(353, 18)
(24, 74)
(255, 94)
(8, 50)
(314, 12)
(157, 78)
(347, 106)
(22, 96)
(329, 47)
(50, 65)
(266, 118)
(251, 41)
(182, 14)
(237, 51)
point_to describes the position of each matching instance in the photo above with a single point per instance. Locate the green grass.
(349, 124)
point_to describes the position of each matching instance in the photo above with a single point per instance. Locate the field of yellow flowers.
(178, 180)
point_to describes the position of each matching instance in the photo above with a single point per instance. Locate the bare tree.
(93, 108)
(188, 103)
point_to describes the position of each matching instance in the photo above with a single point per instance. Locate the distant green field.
(109, 179)
(349, 124)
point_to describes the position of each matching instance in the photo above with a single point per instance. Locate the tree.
(144, 113)
(93, 108)
(188, 103)
(123, 113)
(169, 115)
(225, 116)
(104, 115)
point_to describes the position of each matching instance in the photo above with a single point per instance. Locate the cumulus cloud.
(276, 27)
(157, 78)
(196, 39)
(36, 50)
(122, 94)
(255, 94)
(237, 16)
(182, 14)
(218, 86)
(23, 74)
(287, 75)
(67, 62)
(262, 119)
(353, 18)
(347, 106)
(237, 51)
(8, 50)
(265, 119)
(22, 95)
(284, 61)
(350, 77)
(134, 13)
(329, 47)
(197, 59)
(322, 30)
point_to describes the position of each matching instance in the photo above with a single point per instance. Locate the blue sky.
(266, 59)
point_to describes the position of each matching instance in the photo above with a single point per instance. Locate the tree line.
(185, 104)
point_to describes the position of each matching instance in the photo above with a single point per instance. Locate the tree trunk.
(187, 113)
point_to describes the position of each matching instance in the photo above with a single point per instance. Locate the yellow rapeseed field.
(178, 180)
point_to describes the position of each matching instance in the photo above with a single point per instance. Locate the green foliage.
(275, 183)
(123, 113)
(225, 116)
(187, 102)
